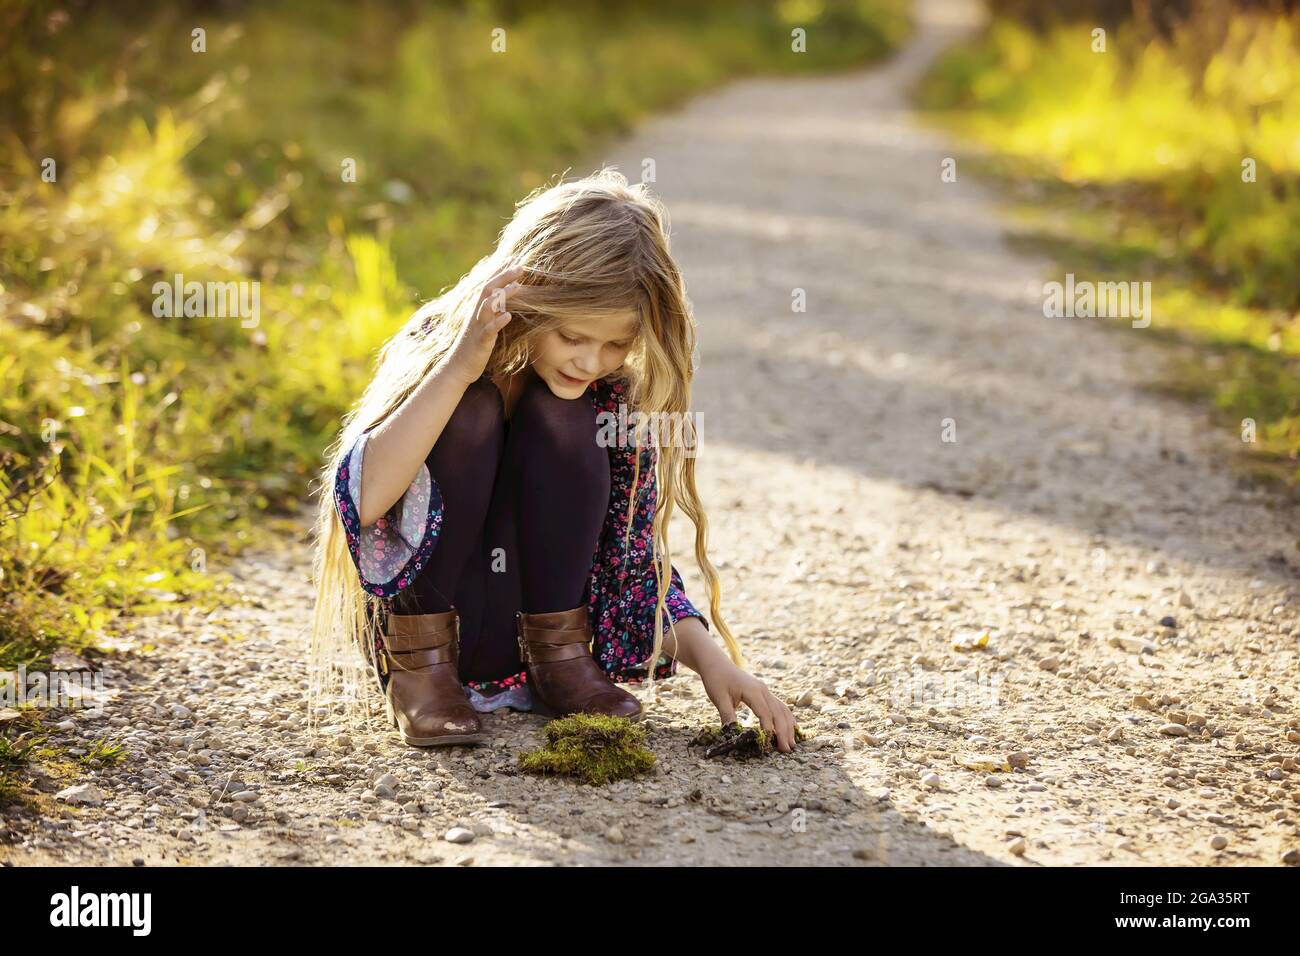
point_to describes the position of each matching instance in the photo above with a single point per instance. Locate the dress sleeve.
(678, 604)
(392, 551)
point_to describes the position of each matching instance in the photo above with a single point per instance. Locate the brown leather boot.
(426, 700)
(563, 676)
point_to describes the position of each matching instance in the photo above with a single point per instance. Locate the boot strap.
(422, 657)
(554, 635)
(553, 653)
(416, 626)
(550, 645)
(413, 641)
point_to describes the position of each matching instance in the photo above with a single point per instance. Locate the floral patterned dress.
(390, 553)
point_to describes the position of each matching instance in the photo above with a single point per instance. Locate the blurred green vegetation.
(1130, 164)
(135, 448)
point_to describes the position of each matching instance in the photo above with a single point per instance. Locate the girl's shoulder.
(608, 392)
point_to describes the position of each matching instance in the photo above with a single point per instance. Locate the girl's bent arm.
(398, 446)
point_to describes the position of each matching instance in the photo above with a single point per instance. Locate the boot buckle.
(519, 636)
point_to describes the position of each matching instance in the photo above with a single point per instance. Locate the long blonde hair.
(592, 247)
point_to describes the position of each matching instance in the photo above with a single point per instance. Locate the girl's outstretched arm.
(693, 646)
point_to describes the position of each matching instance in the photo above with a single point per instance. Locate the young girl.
(485, 537)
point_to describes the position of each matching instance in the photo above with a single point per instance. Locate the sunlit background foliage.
(135, 450)
(1130, 165)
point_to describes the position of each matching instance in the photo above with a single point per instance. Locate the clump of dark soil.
(743, 743)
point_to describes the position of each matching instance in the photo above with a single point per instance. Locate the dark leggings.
(524, 501)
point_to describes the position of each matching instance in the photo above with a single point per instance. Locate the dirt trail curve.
(1073, 513)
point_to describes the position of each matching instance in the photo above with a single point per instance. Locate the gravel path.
(1073, 514)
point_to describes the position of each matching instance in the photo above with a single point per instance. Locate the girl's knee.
(568, 424)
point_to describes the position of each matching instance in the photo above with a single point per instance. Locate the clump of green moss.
(743, 743)
(592, 747)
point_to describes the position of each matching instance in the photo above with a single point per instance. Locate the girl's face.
(577, 353)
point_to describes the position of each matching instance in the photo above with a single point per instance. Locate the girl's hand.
(469, 356)
(728, 686)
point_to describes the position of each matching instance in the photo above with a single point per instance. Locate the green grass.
(101, 752)
(137, 451)
(1126, 165)
(13, 758)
